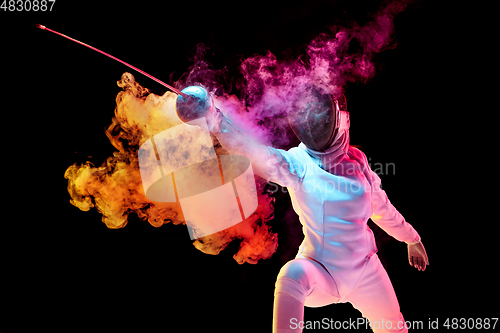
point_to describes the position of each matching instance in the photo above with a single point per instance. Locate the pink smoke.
(270, 84)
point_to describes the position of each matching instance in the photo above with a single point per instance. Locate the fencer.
(334, 192)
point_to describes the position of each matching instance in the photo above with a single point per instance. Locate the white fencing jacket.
(334, 208)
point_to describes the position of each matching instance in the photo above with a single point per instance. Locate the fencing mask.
(317, 116)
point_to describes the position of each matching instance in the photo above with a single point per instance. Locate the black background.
(61, 269)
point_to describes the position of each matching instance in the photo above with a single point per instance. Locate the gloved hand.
(417, 256)
(198, 104)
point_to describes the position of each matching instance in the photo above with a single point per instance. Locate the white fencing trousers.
(303, 281)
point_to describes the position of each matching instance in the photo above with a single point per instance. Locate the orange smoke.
(115, 188)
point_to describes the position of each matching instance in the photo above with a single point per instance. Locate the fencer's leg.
(300, 281)
(288, 310)
(289, 297)
(375, 298)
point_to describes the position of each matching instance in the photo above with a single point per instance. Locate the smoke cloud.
(269, 86)
(115, 188)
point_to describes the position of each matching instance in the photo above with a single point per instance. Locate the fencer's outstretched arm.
(267, 162)
(237, 142)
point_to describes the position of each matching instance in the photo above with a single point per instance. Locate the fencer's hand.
(214, 118)
(417, 256)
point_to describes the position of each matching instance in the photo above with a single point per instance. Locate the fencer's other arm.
(391, 221)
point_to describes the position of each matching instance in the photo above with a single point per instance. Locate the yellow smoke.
(115, 188)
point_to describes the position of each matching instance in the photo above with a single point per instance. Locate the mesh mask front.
(313, 117)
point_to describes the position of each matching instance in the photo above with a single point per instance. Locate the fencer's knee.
(291, 280)
(290, 287)
(295, 270)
